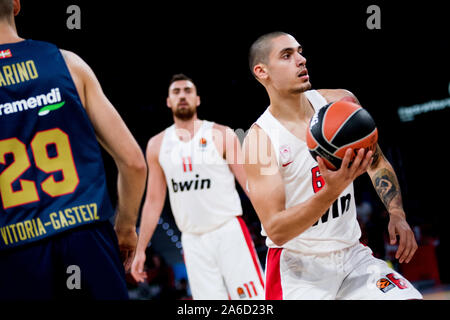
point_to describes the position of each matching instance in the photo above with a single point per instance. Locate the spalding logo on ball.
(338, 126)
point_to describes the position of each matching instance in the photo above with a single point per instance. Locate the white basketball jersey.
(338, 228)
(202, 189)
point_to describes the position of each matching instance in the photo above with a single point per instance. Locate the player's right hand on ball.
(337, 181)
(137, 267)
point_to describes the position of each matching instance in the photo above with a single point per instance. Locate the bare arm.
(387, 186)
(155, 197)
(118, 141)
(153, 205)
(267, 189)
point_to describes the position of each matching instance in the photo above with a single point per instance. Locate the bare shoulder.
(254, 132)
(223, 137)
(337, 94)
(260, 161)
(69, 56)
(221, 128)
(78, 67)
(80, 72)
(154, 145)
(73, 60)
(255, 139)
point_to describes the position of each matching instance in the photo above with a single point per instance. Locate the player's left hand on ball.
(338, 180)
(407, 242)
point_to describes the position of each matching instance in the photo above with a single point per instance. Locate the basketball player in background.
(198, 161)
(55, 208)
(307, 211)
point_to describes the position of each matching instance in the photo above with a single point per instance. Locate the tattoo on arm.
(387, 187)
(377, 154)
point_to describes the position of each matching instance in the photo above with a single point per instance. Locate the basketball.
(338, 126)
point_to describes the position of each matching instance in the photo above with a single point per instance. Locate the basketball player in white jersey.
(198, 161)
(310, 216)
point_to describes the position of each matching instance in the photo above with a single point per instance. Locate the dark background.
(134, 47)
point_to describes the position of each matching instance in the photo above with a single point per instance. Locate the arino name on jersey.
(17, 73)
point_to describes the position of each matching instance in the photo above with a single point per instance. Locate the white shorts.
(349, 274)
(222, 264)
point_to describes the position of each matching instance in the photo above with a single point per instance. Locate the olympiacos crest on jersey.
(285, 155)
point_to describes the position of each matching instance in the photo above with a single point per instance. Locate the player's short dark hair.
(6, 9)
(179, 77)
(259, 50)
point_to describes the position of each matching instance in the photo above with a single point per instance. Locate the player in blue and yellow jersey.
(54, 204)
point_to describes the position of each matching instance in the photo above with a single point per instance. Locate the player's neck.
(8, 32)
(186, 129)
(291, 107)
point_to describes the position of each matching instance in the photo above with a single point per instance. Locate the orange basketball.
(338, 126)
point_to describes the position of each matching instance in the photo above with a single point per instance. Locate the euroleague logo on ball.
(314, 120)
(338, 126)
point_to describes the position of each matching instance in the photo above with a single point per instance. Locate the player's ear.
(16, 4)
(168, 103)
(197, 103)
(260, 71)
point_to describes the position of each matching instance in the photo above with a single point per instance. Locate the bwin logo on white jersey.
(191, 184)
